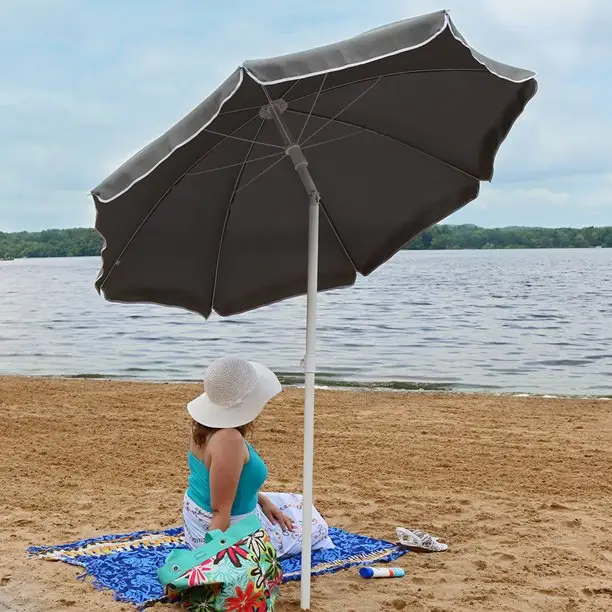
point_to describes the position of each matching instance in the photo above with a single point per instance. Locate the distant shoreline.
(87, 242)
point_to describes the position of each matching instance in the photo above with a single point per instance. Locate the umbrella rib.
(227, 212)
(232, 137)
(278, 161)
(324, 142)
(161, 199)
(240, 110)
(377, 133)
(249, 161)
(316, 144)
(312, 106)
(289, 139)
(334, 118)
(337, 234)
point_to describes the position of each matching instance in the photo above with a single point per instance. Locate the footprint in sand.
(557, 506)
(594, 591)
(551, 592)
(503, 557)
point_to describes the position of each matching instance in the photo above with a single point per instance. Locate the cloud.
(572, 201)
(89, 83)
(538, 196)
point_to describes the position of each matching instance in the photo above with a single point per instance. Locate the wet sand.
(521, 489)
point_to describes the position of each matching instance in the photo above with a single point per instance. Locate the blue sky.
(86, 83)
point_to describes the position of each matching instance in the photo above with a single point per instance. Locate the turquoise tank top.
(252, 477)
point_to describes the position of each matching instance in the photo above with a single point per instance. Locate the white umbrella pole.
(309, 396)
(274, 110)
(301, 167)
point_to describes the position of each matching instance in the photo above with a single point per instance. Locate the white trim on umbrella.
(447, 24)
(353, 64)
(178, 146)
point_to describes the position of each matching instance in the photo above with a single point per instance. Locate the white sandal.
(419, 540)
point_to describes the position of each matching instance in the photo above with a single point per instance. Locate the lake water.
(500, 321)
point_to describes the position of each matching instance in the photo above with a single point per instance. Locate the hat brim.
(204, 411)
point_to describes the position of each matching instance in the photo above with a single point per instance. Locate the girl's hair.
(201, 433)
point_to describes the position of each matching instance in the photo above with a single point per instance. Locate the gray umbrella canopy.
(399, 125)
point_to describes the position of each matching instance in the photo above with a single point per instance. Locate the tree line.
(84, 242)
(76, 242)
(440, 237)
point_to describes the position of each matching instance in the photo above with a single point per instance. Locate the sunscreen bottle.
(381, 572)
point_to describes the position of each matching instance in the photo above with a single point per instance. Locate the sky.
(84, 84)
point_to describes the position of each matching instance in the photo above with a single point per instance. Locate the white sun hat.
(236, 391)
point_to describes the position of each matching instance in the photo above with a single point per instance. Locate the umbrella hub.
(273, 109)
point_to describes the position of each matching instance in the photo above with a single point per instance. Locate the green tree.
(83, 242)
(50, 243)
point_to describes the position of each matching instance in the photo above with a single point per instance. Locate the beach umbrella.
(300, 171)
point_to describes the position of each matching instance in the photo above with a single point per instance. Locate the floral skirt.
(197, 520)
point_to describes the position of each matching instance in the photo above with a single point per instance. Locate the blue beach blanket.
(127, 563)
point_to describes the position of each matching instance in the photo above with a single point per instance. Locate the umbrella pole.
(273, 111)
(309, 397)
(300, 164)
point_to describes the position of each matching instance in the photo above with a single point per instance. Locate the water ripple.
(509, 321)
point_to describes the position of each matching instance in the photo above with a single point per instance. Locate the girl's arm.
(226, 450)
(274, 514)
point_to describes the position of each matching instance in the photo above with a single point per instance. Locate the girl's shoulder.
(224, 436)
(226, 442)
(222, 442)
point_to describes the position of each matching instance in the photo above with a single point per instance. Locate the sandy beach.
(521, 489)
